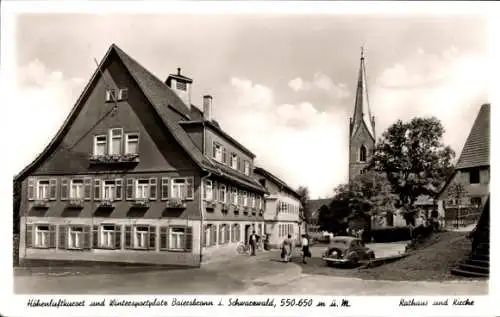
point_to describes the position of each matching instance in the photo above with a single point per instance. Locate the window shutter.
(63, 237)
(238, 233)
(97, 189)
(152, 237)
(189, 238)
(239, 164)
(95, 237)
(213, 149)
(130, 189)
(31, 188)
(52, 236)
(29, 236)
(118, 237)
(87, 188)
(221, 233)
(64, 189)
(224, 155)
(163, 238)
(152, 188)
(86, 237)
(53, 189)
(119, 189)
(190, 194)
(164, 188)
(128, 237)
(227, 233)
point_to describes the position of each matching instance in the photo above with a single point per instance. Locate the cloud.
(43, 99)
(450, 85)
(320, 82)
(295, 141)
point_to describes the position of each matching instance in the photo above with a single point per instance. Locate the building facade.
(138, 174)
(282, 209)
(472, 172)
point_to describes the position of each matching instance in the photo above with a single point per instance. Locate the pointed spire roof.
(362, 113)
(476, 151)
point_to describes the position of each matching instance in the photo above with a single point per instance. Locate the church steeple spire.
(362, 113)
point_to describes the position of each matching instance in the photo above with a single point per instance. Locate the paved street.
(262, 274)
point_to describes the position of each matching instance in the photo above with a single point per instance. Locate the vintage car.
(347, 250)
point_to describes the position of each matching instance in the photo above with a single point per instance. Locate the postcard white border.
(15, 305)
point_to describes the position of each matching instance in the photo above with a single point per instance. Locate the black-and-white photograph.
(264, 153)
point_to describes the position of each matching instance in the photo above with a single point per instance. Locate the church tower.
(361, 126)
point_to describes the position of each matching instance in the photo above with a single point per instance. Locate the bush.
(391, 234)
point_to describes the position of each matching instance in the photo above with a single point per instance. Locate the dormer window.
(362, 153)
(180, 85)
(217, 152)
(132, 143)
(110, 95)
(100, 145)
(123, 94)
(234, 161)
(115, 145)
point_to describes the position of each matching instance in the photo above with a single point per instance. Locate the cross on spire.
(362, 51)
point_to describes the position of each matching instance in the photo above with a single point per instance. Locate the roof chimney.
(207, 107)
(178, 70)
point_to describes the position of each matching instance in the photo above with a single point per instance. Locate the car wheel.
(329, 263)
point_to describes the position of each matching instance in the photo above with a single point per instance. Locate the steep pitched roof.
(476, 151)
(362, 113)
(275, 179)
(315, 205)
(164, 101)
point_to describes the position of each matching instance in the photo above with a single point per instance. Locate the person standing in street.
(305, 249)
(253, 242)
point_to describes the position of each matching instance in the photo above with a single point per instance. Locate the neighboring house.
(473, 172)
(282, 209)
(315, 206)
(137, 173)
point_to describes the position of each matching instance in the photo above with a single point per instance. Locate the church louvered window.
(362, 153)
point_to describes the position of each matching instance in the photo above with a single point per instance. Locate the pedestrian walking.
(253, 242)
(306, 253)
(286, 249)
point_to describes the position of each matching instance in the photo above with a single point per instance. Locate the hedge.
(391, 234)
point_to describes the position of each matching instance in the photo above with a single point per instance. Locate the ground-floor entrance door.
(247, 233)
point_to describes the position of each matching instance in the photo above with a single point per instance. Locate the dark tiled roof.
(315, 205)
(168, 106)
(476, 151)
(277, 180)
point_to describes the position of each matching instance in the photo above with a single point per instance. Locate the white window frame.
(75, 237)
(107, 236)
(43, 184)
(42, 237)
(183, 192)
(217, 151)
(208, 190)
(222, 193)
(101, 143)
(78, 187)
(253, 200)
(121, 92)
(145, 189)
(110, 95)
(222, 236)
(247, 168)
(141, 236)
(245, 199)
(177, 238)
(135, 139)
(234, 161)
(109, 186)
(235, 196)
(113, 138)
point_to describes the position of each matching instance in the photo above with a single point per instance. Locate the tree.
(414, 159)
(303, 192)
(457, 191)
(334, 218)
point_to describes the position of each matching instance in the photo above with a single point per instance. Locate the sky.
(283, 85)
